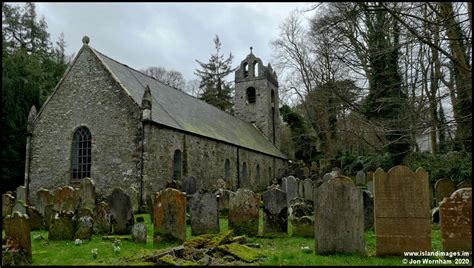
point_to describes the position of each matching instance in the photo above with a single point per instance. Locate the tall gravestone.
(308, 189)
(456, 221)
(43, 198)
(243, 212)
(339, 218)
(169, 215)
(8, 202)
(368, 209)
(275, 209)
(101, 216)
(17, 228)
(402, 211)
(300, 187)
(204, 213)
(65, 199)
(443, 188)
(121, 211)
(21, 194)
(189, 185)
(290, 186)
(87, 193)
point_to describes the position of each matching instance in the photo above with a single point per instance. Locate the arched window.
(257, 177)
(246, 70)
(244, 172)
(255, 69)
(177, 165)
(227, 169)
(81, 153)
(250, 95)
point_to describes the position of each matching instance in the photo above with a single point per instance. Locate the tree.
(215, 90)
(171, 78)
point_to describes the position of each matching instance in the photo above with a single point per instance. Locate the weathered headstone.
(189, 185)
(17, 228)
(360, 177)
(303, 226)
(20, 207)
(243, 212)
(8, 202)
(224, 199)
(102, 222)
(48, 215)
(339, 217)
(204, 213)
(43, 198)
(308, 189)
(368, 209)
(65, 199)
(275, 209)
(300, 188)
(305, 172)
(370, 186)
(328, 176)
(456, 221)
(134, 198)
(84, 228)
(62, 226)
(139, 232)
(121, 211)
(21, 194)
(87, 193)
(402, 211)
(36, 220)
(464, 184)
(443, 188)
(169, 216)
(290, 186)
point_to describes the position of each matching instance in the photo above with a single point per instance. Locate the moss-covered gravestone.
(62, 226)
(243, 212)
(169, 208)
(17, 235)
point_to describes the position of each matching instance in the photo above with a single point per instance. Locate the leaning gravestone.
(456, 221)
(339, 217)
(84, 228)
(8, 202)
(43, 198)
(189, 185)
(102, 222)
(308, 189)
(169, 216)
(243, 212)
(360, 178)
(368, 209)
(402, 211)
(65, 199)
(290, 186)
(204, 213)
(443, 188)
(17, 228)
(139, 231)
(62, 226)
(121, 211)
(464, 184)
(275, 209)
(87, 193)
(134, 198)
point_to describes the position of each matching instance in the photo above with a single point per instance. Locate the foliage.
(31, 67)
(351, 162)
(215, 90)
(172, 78)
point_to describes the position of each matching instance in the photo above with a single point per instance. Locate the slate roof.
(178, 110)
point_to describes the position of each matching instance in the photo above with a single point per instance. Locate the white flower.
(116, 249)
(78, 242)
(94, 252)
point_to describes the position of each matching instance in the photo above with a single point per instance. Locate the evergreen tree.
(215, 90)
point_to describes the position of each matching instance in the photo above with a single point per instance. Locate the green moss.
(200, 241)
(241, 252)
(168, 260)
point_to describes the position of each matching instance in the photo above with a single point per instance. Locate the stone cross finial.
(85, 40)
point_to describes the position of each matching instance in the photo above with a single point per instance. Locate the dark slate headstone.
(17, 228)
(290, 186)
(308, 189)
(121, 212)
(62, 226)
(339, 218)
(8, 202)
(139, 233)
(275, 210)
(243, 212)
(43, 198)
(102, 221)
(204, 213)
(169, 216)
(189, 185)
(368, 209)
(84, 228)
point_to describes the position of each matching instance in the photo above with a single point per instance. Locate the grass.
(278, 251)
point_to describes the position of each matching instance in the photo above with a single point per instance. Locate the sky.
(170, 35)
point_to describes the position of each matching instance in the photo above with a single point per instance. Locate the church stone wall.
(87, 97)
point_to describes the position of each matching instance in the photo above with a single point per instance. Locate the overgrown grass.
(278, 251)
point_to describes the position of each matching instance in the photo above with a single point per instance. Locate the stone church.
(122, 128)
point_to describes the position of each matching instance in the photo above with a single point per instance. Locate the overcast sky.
(170, 35)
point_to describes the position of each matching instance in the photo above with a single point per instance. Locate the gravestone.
(87, 193)
(62, 226)
(360, 177)
(443, 188)
(43, 198)
(401, 211)
(223, 199)
(21, 194)
(84, 228)
(169, 216)
(8, 202)
(370, 186)
(290, 186)
(204, 213)
(20, 207)
(48, 215)
(339, 217)
(36, 220)
(65, 199)
(139, 231)
(275, 209)
(300, 188)
(308, 189)
(102, 222)
(17, 228)
(134, 198)
(303, 226)
(189, 185)
(464, 184)
(121, 211)
(243, 212)
(328, 176)
(306, 172)
(456, 221)
(85, 212)
(368, 210)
